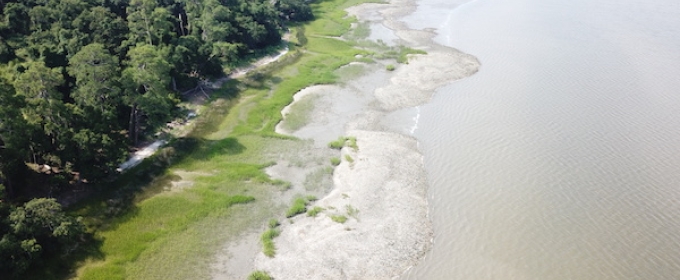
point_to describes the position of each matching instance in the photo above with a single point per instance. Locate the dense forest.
(82, 81)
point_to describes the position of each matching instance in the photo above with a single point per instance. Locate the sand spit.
(389, 230)
(381, 186)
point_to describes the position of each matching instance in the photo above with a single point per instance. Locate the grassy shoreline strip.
(229, 169)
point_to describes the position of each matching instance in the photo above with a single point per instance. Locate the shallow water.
(560, 158)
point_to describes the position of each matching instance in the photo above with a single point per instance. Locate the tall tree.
(149, 23)
(97, 145)
(147, 78)
(45, 110)
(13, 138)
(96, 73)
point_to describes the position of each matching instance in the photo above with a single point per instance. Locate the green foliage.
(294, 10)
(352, 143)
(158, 233)
(335, 161)
(314, 211)
(299, 206)
(37, 229)
(339, 219)
(273, 223)
(405, 51)
(267, 238)
(349, 159)
(106, 68)
(390, 67)
(338, 144)
(342, 141)
(259, 275)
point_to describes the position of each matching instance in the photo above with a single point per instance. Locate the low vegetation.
(314, 211)
(352, 211)
(267, 238)
(299, 206)
(344, 141)
(138, 234)
(259, 275)
(339, 218)
(335, 161)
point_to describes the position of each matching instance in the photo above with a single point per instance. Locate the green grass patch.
(361, 31)
(337, 144)
(300, 113)
(299, 206)
(335, 161)
(352, 143)
(342, 141)
(259, 275)
(267, 238)
(405, 51)
(349, 159)
(315, 211)
(390, 67)
(339, 218)
(273, 223)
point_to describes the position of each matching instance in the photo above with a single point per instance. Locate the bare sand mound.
(382, 193)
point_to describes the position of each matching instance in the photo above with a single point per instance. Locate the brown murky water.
(560, 159)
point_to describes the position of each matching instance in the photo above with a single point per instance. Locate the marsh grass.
(342, 141)
(315, 211)
(259, 275)
(341, 219)
(299, 206)
(351, 72)
(154, 234)
(319, 179)
(337, 144)
(300, 113)
(360, 31)
(267, 238)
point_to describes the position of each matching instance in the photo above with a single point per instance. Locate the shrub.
(390, 67)
(335, 161)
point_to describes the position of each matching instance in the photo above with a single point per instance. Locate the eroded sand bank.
(381, 186)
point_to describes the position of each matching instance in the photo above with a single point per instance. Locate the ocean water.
(560, 158)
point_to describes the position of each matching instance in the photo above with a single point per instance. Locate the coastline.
(384, 180)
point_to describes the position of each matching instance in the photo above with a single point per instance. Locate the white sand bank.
(386, 184)
(384, 180)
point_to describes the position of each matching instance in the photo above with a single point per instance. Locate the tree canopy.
(83, 81)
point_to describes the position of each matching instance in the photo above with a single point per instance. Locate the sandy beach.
(381, 185)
